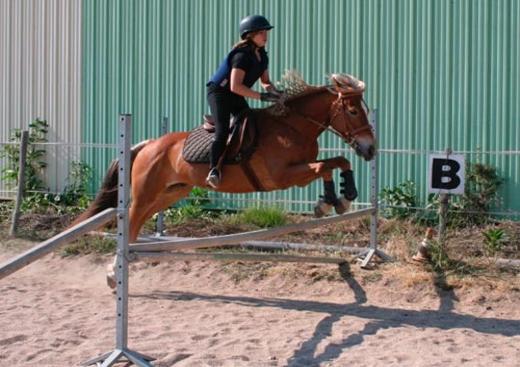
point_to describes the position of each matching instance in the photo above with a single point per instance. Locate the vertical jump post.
(372, 250)
(159, 225)
(122, 256)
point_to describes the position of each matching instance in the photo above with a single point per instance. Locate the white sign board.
(446, 174)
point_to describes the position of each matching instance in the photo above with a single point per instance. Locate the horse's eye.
(353, 111)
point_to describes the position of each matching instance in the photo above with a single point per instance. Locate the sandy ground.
(58, 312)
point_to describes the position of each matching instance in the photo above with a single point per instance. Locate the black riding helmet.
(253, 23)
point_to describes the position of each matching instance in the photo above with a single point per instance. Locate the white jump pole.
(122, 255)
(232, 239)
(53, 243)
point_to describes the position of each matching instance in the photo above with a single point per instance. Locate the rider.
(243, 66)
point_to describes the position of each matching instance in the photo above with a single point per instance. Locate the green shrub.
(480, 194)
(191, 208)
(184, 213)
(398, 202)
(35, 159)
(74, 198)
(494, 240)
(199, 197)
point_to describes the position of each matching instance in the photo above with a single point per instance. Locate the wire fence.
(301, 200)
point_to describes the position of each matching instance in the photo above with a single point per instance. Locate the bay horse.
(285, 156)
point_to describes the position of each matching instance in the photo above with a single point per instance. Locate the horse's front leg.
(303, 174)
(349, 191)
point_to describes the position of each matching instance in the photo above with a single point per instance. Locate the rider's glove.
(269, 97)
(274, 90)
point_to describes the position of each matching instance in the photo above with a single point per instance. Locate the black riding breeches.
(223, 104)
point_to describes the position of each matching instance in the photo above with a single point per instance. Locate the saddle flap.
(242, 138)
(240, 145)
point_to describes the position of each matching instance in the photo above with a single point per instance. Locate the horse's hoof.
(322, 208)
(111, 276)
(351, 194)
(342, 206)
(111, 281)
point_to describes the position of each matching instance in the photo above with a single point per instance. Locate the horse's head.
(349, 118)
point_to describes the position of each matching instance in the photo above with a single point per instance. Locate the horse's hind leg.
(140, 214)
(141, 210)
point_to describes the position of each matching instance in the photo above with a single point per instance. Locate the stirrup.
(213, 179)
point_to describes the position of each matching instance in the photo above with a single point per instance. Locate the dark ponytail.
(246, 42)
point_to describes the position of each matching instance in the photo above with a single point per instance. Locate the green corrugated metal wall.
(442, 73)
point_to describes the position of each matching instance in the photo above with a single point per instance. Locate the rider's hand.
(272, 89)
(269, 97)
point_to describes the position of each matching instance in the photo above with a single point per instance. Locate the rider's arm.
(237, 86)
(265, 81)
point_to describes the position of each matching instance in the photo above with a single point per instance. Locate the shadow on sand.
(384, 317)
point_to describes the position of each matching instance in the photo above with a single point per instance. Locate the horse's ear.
(336, 85)
(335, 82)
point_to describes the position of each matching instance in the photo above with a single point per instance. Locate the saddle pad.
(197, 146)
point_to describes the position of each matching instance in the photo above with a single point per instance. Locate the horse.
(285, 156)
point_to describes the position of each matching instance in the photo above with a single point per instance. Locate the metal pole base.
(367, 255)
(109, 359)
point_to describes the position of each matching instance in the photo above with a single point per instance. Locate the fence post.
(444, 199)
(21, 182)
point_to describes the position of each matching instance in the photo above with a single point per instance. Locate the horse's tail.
(107, 195)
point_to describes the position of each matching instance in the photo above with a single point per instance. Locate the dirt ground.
(59, 312)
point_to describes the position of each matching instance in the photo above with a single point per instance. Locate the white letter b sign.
(446, 174)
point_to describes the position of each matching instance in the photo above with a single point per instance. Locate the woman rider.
(243, 66)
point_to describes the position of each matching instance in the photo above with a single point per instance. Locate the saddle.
(240, 145)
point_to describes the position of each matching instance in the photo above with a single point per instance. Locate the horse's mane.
(294, 88)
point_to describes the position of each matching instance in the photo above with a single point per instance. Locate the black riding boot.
(214, 176)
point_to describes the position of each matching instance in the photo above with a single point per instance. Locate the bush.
(74, 198)
(35, 159)
(193, 207)
(398, 202)
(480, 194)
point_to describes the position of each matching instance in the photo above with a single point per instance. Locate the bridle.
(340, 108)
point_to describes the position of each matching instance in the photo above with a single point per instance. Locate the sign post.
(446, 176)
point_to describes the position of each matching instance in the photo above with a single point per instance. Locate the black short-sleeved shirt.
(247, 60)
(243, 58)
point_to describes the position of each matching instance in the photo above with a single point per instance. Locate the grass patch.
(266, 217)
